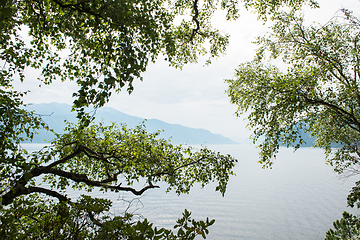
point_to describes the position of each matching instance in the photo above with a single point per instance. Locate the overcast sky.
(193, 97)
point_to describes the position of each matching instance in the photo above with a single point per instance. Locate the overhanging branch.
(19, 190)
(351, 119)
(83, 178)
(80, 7)
(195, 19)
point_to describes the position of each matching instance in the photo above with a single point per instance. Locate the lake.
(298, 199)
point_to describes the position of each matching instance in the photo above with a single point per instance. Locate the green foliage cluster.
(105, 158)
(104, 45)
(318, 93)
(87, 218)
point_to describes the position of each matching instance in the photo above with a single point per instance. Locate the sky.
(195, 96)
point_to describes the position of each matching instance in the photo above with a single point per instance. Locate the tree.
(103, 46)
(318, 93)
(100, 157)
(96, 156)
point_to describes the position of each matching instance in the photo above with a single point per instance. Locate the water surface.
(298, 199)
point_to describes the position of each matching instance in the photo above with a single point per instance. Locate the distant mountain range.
(54, 115)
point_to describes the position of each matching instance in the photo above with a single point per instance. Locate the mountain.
(54, 115)
(310, 141)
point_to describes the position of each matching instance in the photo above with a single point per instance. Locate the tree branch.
(80, 7)
(76, 177)
(351, 119)
(195, 19)
(93, 219)
(20, 190)
(320, 54)
(78, 150)
(177, 168)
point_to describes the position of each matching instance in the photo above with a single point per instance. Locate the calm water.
(298, 199)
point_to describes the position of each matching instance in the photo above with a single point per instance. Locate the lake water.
(298, 199)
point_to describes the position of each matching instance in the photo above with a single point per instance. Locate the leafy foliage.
(106, 45)
(345, 228)
(319, 93)
(270, 9)
(103, 45)
(87, 218)
(100, 157)
(17, 125)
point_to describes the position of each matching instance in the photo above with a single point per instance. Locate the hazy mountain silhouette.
(54, 115)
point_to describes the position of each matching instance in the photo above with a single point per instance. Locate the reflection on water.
(298, 199)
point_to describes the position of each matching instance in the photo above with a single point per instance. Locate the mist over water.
(298, 199)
